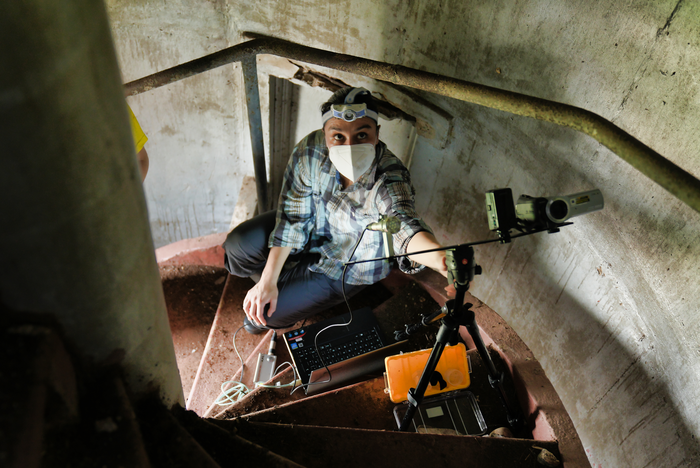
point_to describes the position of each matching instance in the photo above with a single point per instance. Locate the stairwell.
(60, 411)
(355, 424)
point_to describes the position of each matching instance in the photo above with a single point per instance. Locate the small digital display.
(435, 412)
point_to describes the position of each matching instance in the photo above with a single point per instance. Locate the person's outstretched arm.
(424, 240)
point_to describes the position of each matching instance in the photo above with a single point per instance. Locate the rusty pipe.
(252, 98)
(671, 177)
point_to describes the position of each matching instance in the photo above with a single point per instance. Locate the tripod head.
(461, 266)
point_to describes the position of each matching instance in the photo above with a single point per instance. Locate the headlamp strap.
(350, 98)
(349, 111)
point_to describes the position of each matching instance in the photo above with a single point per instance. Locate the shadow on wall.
(595, 353)
(599, 361)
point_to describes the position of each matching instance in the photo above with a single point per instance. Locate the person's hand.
(442, 262)
(450, 291)
(258, 297)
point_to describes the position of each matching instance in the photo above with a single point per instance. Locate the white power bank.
(265, 369)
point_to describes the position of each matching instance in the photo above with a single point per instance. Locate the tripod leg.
(415, 395)
(495, 377)
(473, 330)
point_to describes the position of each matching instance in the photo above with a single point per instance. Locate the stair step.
(245, 375)
(110, 434)
(192, 295)
(409, 301)
(170, 444)
(226, 447)
(219, 362)
(54, 412)
(261, 398)
(316, 446)
(366, 405)
(205, 250)
(362, 405)
(107, 435)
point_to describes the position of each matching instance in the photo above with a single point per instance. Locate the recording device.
(530, 215)
(537, 213)
(558, 209)
(390, 224)
(387, 225)
(501, 212)
(265, 369)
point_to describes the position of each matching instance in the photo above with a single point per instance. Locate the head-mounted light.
(349, 111)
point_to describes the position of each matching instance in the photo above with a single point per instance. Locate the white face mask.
(352, 160)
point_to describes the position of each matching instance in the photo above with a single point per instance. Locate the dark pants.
(302, 292)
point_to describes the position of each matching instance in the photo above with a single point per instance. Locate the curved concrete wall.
(75, 240)
(608, 305)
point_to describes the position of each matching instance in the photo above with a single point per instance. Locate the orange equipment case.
(403, 371)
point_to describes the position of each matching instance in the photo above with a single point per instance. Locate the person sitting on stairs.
(339, 179)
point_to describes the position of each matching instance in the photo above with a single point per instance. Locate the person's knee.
(235, 249)
(282, 322)
(244, 255)
(235, 241)
(247, 242)
(252, 234)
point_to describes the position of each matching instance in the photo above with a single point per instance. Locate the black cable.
(487, 241)
(347, 303)
(346, 264)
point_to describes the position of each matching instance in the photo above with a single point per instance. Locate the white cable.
(279, 385)
(231, 395)
(238, 390)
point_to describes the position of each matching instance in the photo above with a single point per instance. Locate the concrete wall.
(75, 240)
(609, 305)
(199, 148)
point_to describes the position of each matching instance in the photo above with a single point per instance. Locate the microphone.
(387, 225)
(390, 224)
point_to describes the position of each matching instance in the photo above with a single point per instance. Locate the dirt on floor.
(192, 295)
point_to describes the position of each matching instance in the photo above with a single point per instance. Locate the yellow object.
(140, 137)
(404, 371)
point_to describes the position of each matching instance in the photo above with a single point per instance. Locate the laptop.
(330, 357)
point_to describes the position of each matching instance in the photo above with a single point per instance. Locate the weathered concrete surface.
(196, 168)
(75, 240)
(609, 305)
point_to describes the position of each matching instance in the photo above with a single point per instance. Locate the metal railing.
(677, 181)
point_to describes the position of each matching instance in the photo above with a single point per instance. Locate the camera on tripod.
(529, 215)
(532, 214)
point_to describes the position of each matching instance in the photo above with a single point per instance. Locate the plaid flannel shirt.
(315, 215)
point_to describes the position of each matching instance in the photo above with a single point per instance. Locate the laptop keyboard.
(338, 350)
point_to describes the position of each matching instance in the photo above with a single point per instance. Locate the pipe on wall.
(76, 241)
(252, 98)
(671, 177)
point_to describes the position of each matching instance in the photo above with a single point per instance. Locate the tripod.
(461, 270)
